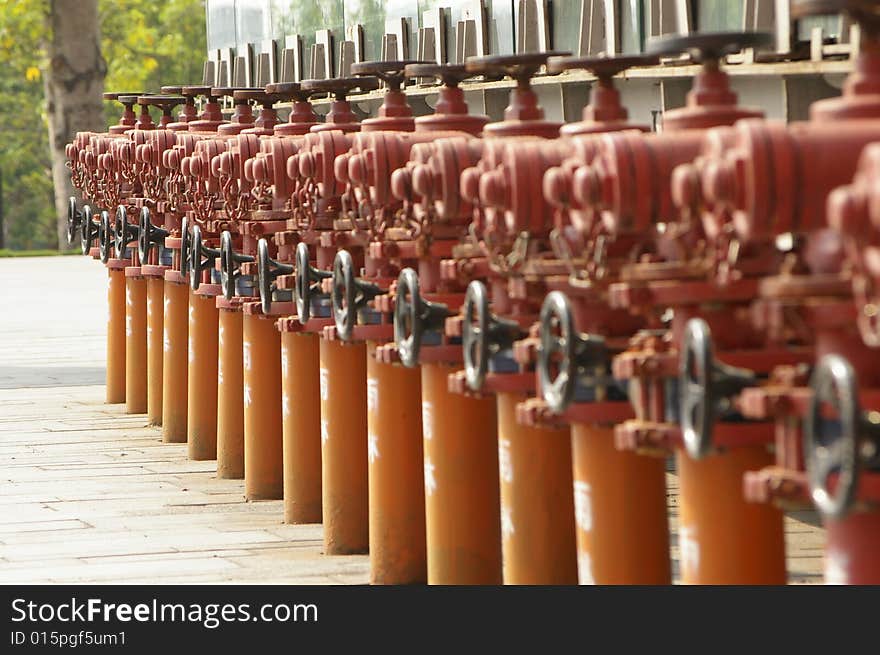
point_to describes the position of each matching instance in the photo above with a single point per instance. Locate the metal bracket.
(291, 59)
(427, 47)
(351, 51)
(395, 42)
(322, 56)
(670, 17)
(317, 62)
(346, 58)
(760, 16)
(250, 58)
(592, 38)
(239, 72)
(389, 47)
(267, 63)
(355, 34)
(847, 44)
(226, 58)
(472, 32)
(432, 37)
(209, 71)
(263, 74)
(532, 26)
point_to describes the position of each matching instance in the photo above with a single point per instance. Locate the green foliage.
(25, 166)
(146, 44)
(6, 253)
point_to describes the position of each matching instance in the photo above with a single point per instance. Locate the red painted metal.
(583, 237)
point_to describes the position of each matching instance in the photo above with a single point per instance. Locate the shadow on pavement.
(18, 377)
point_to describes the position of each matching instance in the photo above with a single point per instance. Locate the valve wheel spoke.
(696, 393)
(475, 334)
(408, 317)
(556, 349)
(833, 383)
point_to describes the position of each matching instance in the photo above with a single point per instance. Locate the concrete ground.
(90, 494)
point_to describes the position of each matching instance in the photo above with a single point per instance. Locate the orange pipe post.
(155, 311)
(261, 357)
(230, 393)
(135, 341)
(301, 427)
(537, 503)
(174, 361)
(620, 511)
(396, 473)
(116, 331)
(343, 387)
(462, 501)
(851, 549)
(723, 539)
(201, 411)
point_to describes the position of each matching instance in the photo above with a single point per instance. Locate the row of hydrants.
(472, 348)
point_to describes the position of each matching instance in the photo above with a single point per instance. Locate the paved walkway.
(90, 494)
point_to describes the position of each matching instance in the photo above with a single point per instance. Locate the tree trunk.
(74, 84)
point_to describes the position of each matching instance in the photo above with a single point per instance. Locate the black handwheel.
(302, 287)
(88, 230)
(125, 232)
(195, 258)
(268, 271)
(557, 339)
(343, 295)
(474, 336)
(306, 276)
(348, 295)
(407, 324)
(145, 233)
(697, 417)
(229, 262)
(197, 265)
(413, 316)
(148, 235)
(562, 347)
(74, 219)
(119, 230)
(105, 236)
(833, 382)
(185, 240)
(263, 275)
(704, 386)
(483, 334)
(227, 265)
